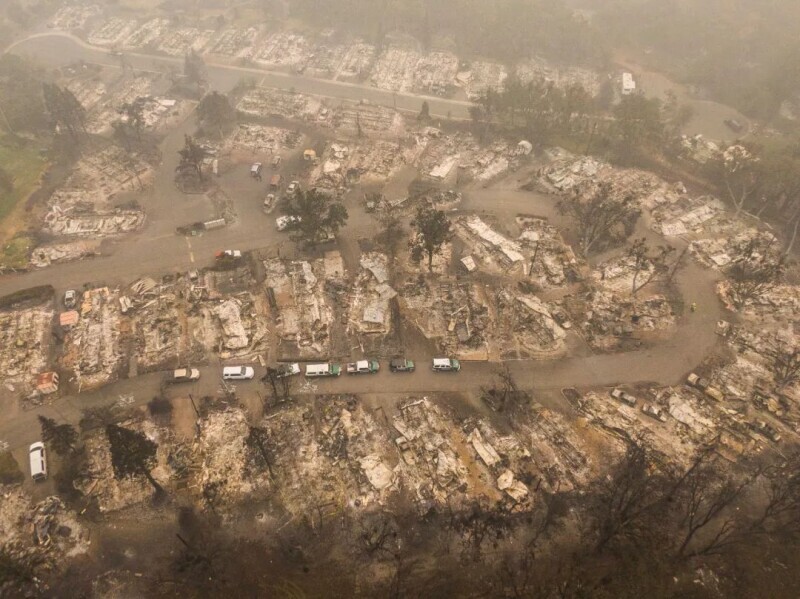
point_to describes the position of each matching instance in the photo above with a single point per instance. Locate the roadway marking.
(189, 245)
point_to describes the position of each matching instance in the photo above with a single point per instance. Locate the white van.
(238, 373)
(38, 461)
(313, 370)
(446, 365)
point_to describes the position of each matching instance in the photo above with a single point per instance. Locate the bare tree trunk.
(158, 488)
(790, 247)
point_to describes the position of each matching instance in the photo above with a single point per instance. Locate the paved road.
(157, 250)
(59, 48)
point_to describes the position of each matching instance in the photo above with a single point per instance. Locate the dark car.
(401, 365)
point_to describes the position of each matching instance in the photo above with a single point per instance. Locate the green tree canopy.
(315, 217)
(60, 437)
(431, 232)
(132, 454)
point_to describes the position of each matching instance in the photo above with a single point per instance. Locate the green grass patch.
(15, 252)
(9, 470)
(25, 165)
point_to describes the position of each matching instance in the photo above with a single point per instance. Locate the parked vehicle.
(275, 182)
(446, 365)
(38, 461)
(70, 298)
(315, 370)
(285, 370)
(269, 202)
(766, 429)
(654, 412)
(284, 222)
(293, 188)
(276, 162)
(561, 318)
(255, 170)
(697, 381)
(184, 375)
(734, 125)
(623, 396)
(229, 254)
(238, 373)
(401, 365)
(363, 367)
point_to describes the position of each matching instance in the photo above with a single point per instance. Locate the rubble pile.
(395, 69)
(181, 41)
(525, 327)
(148, 33)
(222, 452)
(774, 306)
(48, 528)
(446, 465)
(284, 49)
(329, 457)
(623, 423)
(97, 178)
(111, 32)
(481, 77)
(265, 102)
(455, 315)
(88, 91)
(700, 149)
(571, 172)
(258, 139)
(504, 469)
(45, 255)
(82, 222)
(235, 43)
(300, 309)
(92, 346)
(435, 73)
(155, 112)
(380, 160)
(370, 310)
(492, 250)
(552, 262)
(74, 16)
(562, 77)
(446, 154)
(24, 344)
(160, 328)
(611, 318)
(718, 252)
(358, 119)
(233, 326)
(562, 457)
(444, 200)
(97, 480)
(617, 275)
(356, 61)
(82, 206)
(325, 61)
(685, 215)
(337, 454)
(567, 173)
(368, 161)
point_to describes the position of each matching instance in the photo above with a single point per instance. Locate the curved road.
(58, 48)
(158, 250)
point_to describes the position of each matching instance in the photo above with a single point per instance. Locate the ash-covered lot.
(278, 342)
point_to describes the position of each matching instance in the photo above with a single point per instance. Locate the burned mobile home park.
(437, 300)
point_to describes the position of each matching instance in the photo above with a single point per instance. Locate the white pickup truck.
(363, 367)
